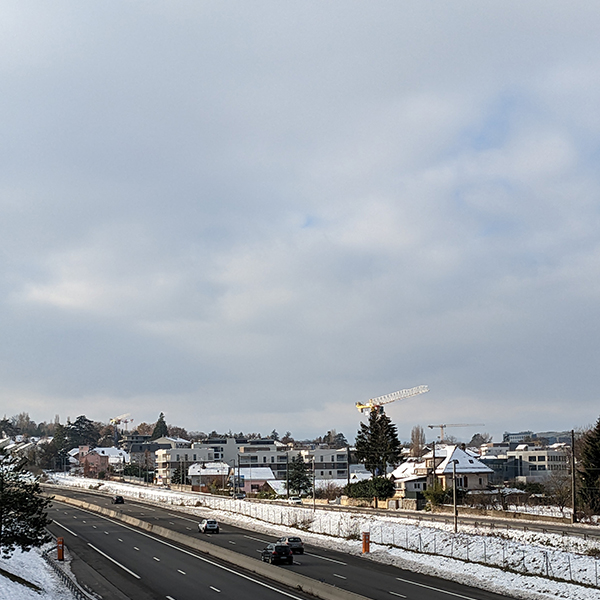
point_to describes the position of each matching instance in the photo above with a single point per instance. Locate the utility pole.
(287, 474)
(573, 480)
(454, 495)
(313, 486)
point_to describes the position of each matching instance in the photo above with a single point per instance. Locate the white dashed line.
(136, 548)
(339, 562)
(340, 576)
(156, 559)
(215, 589)
(182, 572)
(256, 539)
(399, 595)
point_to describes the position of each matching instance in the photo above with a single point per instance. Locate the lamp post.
(454, 495)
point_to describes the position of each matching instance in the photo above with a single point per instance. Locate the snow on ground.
(425, 547)
(33, 568)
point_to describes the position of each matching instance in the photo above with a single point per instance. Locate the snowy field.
(526, 563)
(33, 568)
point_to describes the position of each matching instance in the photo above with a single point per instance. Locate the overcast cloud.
(251, 215)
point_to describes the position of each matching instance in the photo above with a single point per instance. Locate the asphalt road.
(357, 574)
(144, 567)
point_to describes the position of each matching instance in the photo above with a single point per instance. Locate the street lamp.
(454, 463)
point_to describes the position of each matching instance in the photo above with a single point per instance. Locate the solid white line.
(182, 572)
(396, 594)
(339, 562)
(340, 576)
(429, 587)
(113, 560)
(214, 588)
(206, 560)
(71, 532)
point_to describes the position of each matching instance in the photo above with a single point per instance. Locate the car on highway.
(117, 500)
(295, 500)
(277, 553)
(208, 526)
(239, 496)
(295, 543)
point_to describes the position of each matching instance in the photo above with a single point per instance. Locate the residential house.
(203, 475)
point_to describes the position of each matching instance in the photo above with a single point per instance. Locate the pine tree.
(23, 511)
(589, 470)
(298, 480)
(377, 443)
(160, 429)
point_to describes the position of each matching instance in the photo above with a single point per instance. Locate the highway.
(144, 567)
(357, 574)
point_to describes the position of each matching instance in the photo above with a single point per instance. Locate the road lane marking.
(400, 595)
(71, 532)
(136, 548)
(106, 532)
(429, 587)
(156, 559)
(94, 527)
(214, 588)
(169, 598)
(189, 528)
(231, 542)
(120, 539)
(184, 518)
(339, 562)
(114, 561)
(182, 572)
(340, 576)
(256, 539)
(198, 557)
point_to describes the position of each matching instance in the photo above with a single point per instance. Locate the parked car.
(239, 496)
(117, 500)
(208, 526)
(295, 500)
(277, 553)
(295, 544)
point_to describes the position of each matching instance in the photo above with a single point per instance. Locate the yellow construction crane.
(443, 427)
(117, 421)
(376, 404)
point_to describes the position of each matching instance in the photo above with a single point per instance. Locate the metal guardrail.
(73, 586)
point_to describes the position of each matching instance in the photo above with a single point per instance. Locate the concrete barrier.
(285, 577)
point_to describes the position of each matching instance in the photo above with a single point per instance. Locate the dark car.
(117, 500)
(295, 544)
(277, 553)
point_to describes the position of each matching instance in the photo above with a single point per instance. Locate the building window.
(264, 459)
(480, 481)
(532, 459)
(272, 459)
(194, 457)
(178, 458)
(321, 459)
(533, 467)
(541, 458)
(321, 473)
(330, 472)
(541, 467)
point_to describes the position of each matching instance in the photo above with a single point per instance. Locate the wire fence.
(78, 592)
(492, 547)
(491, 550)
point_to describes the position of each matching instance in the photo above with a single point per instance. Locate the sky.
(252, 215)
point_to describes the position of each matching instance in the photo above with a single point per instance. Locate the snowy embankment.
(521, 564)
(31, 567)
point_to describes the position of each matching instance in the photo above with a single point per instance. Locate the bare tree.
(417, 441)
(558, 487)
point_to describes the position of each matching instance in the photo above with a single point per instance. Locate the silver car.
(208, 526)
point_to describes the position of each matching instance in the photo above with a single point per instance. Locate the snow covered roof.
(256, 473)
(406, 469)
(112, 452)
(466, 463)
(208, 469)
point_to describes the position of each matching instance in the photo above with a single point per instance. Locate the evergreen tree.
(377, 443)
(298, 480)
(23, 511)
(589, 470)
(160, 429)
(83, 432)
